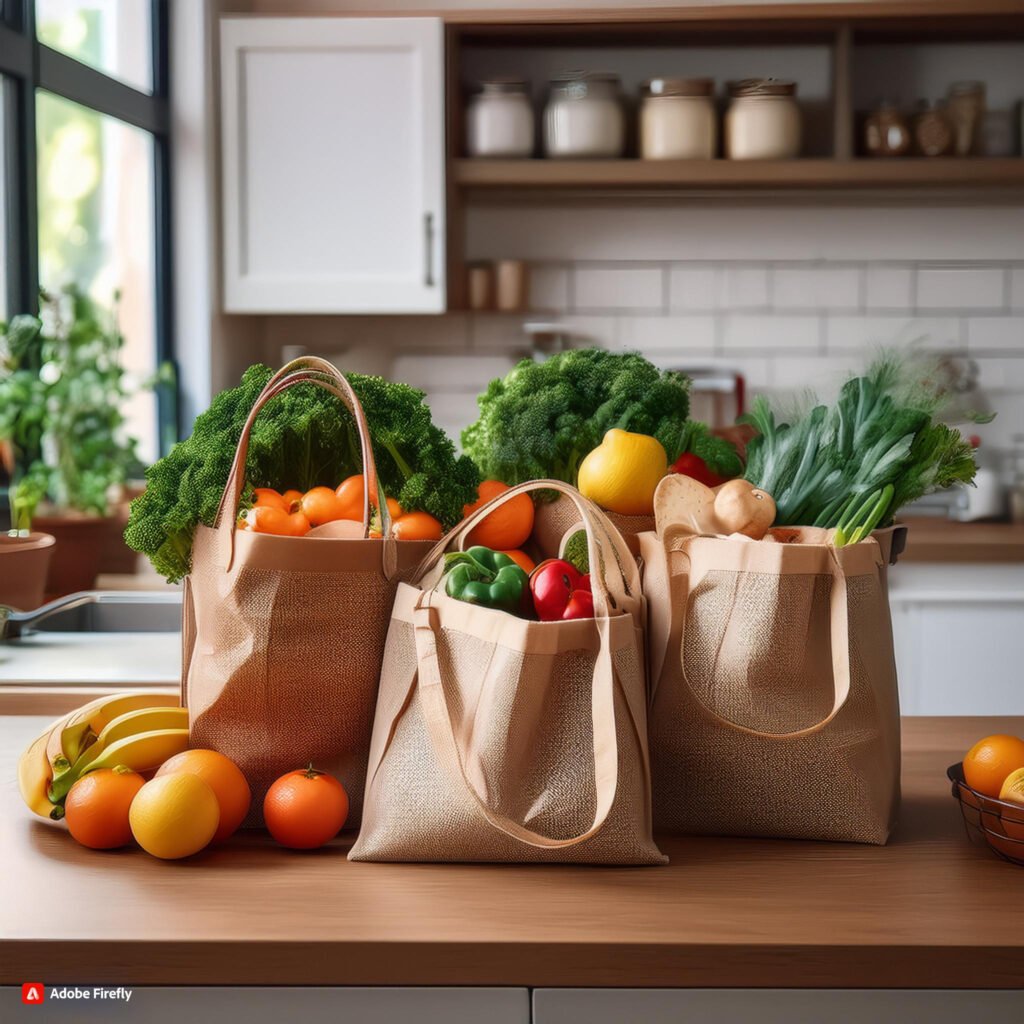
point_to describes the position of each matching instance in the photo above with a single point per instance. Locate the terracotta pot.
(24, 562)
(80, 540)
(117, 557)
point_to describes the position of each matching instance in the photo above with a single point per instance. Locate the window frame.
(28, 65)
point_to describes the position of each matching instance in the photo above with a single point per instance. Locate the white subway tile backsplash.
(682, 334)
(450, 373)
(857, 333)
(816, 288)
(1017, 288)
(1001, 374)
(453, 411)
(960, 288)
(768, 334)
(693, 288)
(549, 288)
(615, 288)
(996, 334)
(888, 287)
(743, 288)
(822, 376)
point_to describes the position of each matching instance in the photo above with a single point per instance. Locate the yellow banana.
(95, 716)
(34, 773)
(133, 723)
(142, 752)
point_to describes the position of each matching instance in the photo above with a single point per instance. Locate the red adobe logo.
(33, 992)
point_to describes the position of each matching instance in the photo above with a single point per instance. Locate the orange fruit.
(305, 808)
(224, 777)
(269, 497)
(991, 760)
(506, 528)
(321, 505)
(96, 808)
(522, 559)
(291, 499)
(174, 816)
(1012, 792)
(267, 519)
(416, 526)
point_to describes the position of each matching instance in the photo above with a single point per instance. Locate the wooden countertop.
(929, 909)
(941, 540)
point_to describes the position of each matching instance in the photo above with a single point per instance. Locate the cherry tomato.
(416, 526)
(268, 497)
(267, 519)
(305, 809)
(321, 505)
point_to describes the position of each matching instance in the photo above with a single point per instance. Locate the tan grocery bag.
(283, 636)
(774, 709)
(502, 739)
(554, 519)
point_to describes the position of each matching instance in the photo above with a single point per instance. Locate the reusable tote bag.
(502, 739)
(555, 519)
(774, 707)
(283, 636)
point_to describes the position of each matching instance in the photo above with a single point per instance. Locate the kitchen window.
(84, 142)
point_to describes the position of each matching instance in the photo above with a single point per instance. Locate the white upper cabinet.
(333, 163)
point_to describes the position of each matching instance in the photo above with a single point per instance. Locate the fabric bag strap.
(320, 373)
(436, 714)
(839, 632)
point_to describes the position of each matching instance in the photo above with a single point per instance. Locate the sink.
(103, 612)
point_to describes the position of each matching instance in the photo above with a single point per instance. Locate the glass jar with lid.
(678, 119)
(763, 120)
(584, 116)
(499, 120)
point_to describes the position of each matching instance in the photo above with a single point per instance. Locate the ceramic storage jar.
(678, 120)
(763, 120)
(584, 116)
(499, 120)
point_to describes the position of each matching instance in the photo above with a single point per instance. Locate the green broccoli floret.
(542, 419)
(576, 552)
(303, 438)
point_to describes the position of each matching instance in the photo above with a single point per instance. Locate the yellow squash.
(622, 472)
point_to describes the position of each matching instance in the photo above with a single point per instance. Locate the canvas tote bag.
(774, 707)
(553, 520)
(283, 636)
(501, 739)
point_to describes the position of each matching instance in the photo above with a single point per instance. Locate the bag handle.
(434, 704)
(839, 631)
(617, 577)
(308, 370)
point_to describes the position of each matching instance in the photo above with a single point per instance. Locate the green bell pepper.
(485, 577)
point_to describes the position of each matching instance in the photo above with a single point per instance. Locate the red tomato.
(305, 809)
(321, 505)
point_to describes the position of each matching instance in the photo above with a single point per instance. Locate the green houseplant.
(62, 392)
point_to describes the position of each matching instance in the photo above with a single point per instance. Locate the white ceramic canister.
(763, 120)
(584, 116)
(678, 120)
(499, 120)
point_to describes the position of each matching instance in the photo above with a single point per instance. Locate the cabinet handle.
(428, 238)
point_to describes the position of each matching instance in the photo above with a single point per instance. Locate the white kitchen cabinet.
(333, 165)
(959, 637)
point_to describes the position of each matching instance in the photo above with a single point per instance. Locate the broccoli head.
(303, 438)
(543, 418)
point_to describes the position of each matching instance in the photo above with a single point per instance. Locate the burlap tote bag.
(774, 708)
(555, 519)
(501, 739)
(283, 636)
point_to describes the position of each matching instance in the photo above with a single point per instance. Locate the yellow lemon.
(174, 816)
(622, 472)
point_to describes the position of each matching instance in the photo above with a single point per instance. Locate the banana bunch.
(137, 730)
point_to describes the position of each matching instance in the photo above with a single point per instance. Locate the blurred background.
(212, 184)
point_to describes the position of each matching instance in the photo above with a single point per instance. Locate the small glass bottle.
(886, 132)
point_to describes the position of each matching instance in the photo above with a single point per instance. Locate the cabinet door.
(333, 164)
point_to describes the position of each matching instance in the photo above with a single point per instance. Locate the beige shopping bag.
(774, 708)
(554, 519)
(502, 739)
(283, 636)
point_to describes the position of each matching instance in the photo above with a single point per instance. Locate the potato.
(742, 508)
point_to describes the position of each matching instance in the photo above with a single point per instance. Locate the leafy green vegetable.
(543, 418)
(577, 553)
(828, 462)
(303, 438)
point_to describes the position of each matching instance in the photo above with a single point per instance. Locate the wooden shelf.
(671, 175)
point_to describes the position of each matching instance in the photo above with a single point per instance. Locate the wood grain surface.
(940, 540)
(928, 910)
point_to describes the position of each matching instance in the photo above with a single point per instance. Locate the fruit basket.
(997, 824)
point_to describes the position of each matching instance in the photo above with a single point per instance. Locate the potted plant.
(62, 389)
